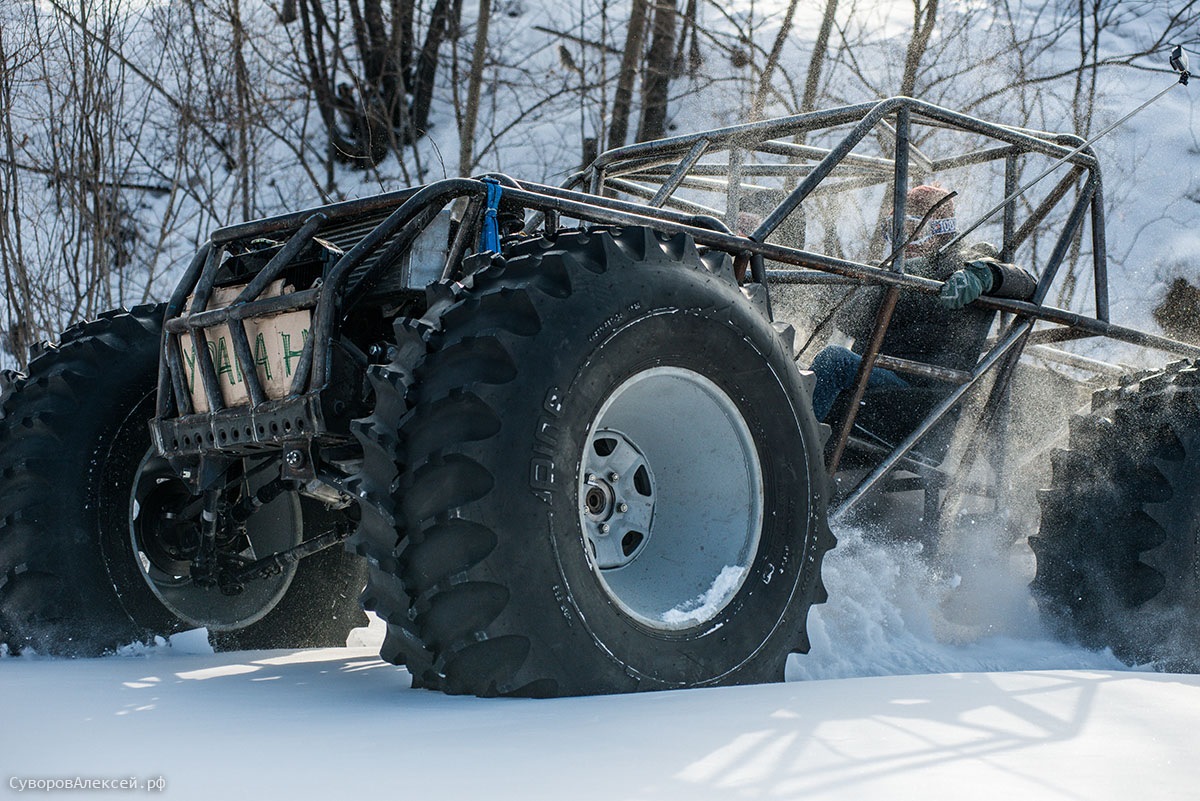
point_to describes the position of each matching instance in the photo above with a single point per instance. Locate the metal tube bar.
(163, 397)
(335, 211)
(884, 316)
(539, 192)
(900, 184)
(166, 368)
(720, 170)
(188, 282)
(1099, 249)
(781, 212)
(174, 356)
(742, 134)
(774, 148)
(733, 189)
(207, 372)
(172, 359)
(1035, 141)
(946, 374)
(1075, 360)
(975, 157)
(718, 185)
(991, 423)
(1059, 254)
(865, 273)
(935, 416)
(792, 277)
(245, 361)
(925, 164)
(644, 191)
(1048, 335)
(685, 166)
(634, 166)
(280, 260)
(292, 301)
(300, 379)
(463, 237)
(204, 286)
(928, 114)
(1010, 209)
(882, 320)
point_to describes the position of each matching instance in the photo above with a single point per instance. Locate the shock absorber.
(204, 566)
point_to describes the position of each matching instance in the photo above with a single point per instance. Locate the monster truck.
(565, 427)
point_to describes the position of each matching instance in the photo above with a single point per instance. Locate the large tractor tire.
(94, 525)
(1118, 554)
(612, 477)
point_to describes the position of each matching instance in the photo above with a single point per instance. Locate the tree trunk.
(812, 80)
(658, 72)
(466, 160)
(631, 59)
(924, 18)
(427, 61)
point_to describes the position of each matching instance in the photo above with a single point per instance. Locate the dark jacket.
(924, 330)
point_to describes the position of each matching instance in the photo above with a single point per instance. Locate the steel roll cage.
(655, 171)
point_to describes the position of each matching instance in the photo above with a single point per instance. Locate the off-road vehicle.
(566, 428)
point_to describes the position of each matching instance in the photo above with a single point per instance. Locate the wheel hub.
(164, 533)
(617, 499)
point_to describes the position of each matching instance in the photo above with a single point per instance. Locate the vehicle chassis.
(314, 413)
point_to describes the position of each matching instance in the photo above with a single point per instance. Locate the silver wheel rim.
(670, 498)
(273, 528)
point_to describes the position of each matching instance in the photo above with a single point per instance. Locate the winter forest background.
(129, 129)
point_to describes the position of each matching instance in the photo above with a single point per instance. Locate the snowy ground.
(997, 709)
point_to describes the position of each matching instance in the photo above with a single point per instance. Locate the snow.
(338, 723)
(709, 602)
(992, 708)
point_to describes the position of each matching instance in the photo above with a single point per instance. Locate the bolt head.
(590, 478)
(294, 458)
(614, 477)
(622, 507)
(604, 528)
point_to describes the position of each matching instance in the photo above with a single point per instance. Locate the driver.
(941, 330)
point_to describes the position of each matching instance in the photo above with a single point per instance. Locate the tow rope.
(489, 237)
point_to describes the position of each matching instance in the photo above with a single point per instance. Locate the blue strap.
(489, 237)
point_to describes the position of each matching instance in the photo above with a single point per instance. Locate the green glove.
(966, 284)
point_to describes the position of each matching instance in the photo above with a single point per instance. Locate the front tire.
(85, 565)
(1119, 546)
(614, 480)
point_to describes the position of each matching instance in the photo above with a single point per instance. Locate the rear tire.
(1119, 546)
(614, 479)
(77, 480)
